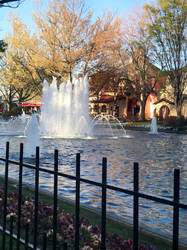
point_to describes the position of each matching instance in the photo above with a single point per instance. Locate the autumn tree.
(138, 73)
(103, 78)
(64, 32)
(20, 79)
(71, 43)
(103, 63)
(167, 28)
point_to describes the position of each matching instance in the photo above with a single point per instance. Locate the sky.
(24, 11)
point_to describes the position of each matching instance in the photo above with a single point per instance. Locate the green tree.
(3, 46)
(168, 32)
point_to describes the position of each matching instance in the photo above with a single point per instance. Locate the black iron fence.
(20, 242)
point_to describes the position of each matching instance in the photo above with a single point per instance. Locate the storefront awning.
(26, 104)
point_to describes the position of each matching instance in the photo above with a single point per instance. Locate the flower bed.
(90, 235)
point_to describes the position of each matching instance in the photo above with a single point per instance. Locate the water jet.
(153, 128)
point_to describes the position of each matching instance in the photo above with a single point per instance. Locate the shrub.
(175, 122)
(14, 111)
(90, 235)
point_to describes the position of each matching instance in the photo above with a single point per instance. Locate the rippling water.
(157, 155)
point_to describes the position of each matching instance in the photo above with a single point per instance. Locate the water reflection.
(157, 155)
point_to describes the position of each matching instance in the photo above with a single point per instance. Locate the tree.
(3, 46)
(103, 62)
(138, 73)
(167, 29)
(64, 44)
(10, 3)
(103, 78)
(70, 42)
(20, 79)
(64, 32)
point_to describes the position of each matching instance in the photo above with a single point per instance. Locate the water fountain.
(14, 126)
(107, 126)
(65, 114)
(32, 133)
(153, 128)
(65, 111)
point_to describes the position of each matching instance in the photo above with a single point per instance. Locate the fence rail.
(175, 203)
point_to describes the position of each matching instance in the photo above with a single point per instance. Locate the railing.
(104, 187)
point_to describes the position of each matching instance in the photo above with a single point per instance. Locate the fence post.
(176, 209)
(55, 197)
(5, 195)
(136, 207)
(20, 195)
(11, 233)
(77, 205)
(36, 197)
(27, 237)
(44, 242)
(103, 213)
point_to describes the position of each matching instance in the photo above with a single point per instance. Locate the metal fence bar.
(65, 246)
(36, 198)
(135, 193)
(103, 207)
(136, 207)
(176, 209)
(5, 195)
(114, 188)
(55, 198)
(11, 233)
(44, 243)
(20, 196)
(77, 203)
(27, 236)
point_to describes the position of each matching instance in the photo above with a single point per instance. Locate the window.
(96, 108)
(103, 108)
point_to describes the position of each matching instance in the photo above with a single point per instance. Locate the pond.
(157, 154)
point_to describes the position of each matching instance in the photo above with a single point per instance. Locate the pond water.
(157, 155)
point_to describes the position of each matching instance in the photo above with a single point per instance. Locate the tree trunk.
(179, 109)
(143, 102)
(179, 97)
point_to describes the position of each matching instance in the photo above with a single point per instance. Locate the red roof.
(106, 98)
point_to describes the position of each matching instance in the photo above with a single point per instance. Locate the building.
(109, 103)
(126, 103)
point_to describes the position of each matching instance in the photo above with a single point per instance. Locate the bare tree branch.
(10, 3)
